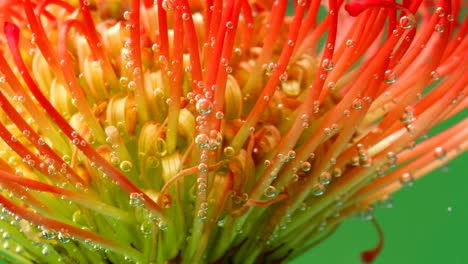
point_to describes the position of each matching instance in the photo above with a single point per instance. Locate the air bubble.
(51, 170)
(216, 136)
(230, 25)
(440, 11)
(204, 106)
(270, 68)
(346, 113)
(283, 77)
(127, 15)
(406, 179)
(131, 85)
(201, 119)
(167, 5)
(155, 48)
(146, 227)
(295, 177)
(439, 28)
(46, 251)
(406, 22)
(64, 237)
(19, 249)
(229, 151)
(357, 103)
(202, 140)
(270, 191)
(409, 110)
(350, 43)
(306, 166)
(411, 128)
(19, 99)
(406, 118)
(391, 155)
(390, 76)
(318, 189)
(163, 225)
(328, 64)
(203, 167)
(386, 202)
(224, 61)
(435, 76)
(367, 214)
(336, 172)
(440, 153)
(136, 199)
(202, 214)
(301, 2)
(219, 115)
(185, 16)
(221, 222)
(325, 178)
(380, 173)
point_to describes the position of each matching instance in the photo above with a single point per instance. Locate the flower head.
(215, 131)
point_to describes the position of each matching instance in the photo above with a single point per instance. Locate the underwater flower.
(216, 131)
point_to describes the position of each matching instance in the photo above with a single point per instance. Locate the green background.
(427, 224)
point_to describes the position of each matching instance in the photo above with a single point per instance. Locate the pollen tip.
(10, 28)
(369, 255)
(354, 8)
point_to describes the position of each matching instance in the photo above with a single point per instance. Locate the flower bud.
(233, 101)
(121, 112)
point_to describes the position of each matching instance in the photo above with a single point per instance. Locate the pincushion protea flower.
(216, 131)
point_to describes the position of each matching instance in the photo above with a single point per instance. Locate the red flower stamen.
(168, 132)
(370, 255)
